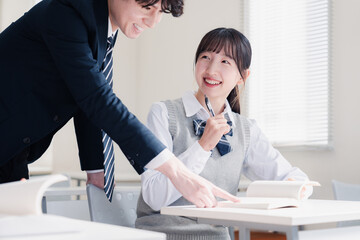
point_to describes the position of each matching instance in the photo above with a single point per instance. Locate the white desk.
(285, 220)
(59, 228)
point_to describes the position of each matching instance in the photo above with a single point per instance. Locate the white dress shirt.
(164, 155)
(262, 161)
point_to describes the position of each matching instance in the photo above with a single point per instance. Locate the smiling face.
(222, 61)
(133, 18)
(216, 75)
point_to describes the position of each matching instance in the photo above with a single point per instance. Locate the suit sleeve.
(68, 44)
(89, 140)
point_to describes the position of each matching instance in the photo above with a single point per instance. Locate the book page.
(260, 203)
(24, 197)
(275, 189)
(271, 195)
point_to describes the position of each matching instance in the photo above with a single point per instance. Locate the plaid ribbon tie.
(223, 145)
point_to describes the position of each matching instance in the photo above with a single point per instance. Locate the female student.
(229, 145)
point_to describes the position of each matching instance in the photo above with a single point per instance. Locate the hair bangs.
(216, 42)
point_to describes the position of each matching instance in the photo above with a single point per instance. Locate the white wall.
(159, 66)
(11, 10)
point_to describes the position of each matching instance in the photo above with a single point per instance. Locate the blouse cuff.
(195, 158)
(95, 171)
(160, 159)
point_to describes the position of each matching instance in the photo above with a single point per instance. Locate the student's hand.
(215, 127)
(194, 188)
(303, 190)
(96, 179)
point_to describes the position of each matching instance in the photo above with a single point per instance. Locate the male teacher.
(56, 64)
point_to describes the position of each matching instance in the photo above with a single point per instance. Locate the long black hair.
(236, 46)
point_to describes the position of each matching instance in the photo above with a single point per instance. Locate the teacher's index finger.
(218, 192)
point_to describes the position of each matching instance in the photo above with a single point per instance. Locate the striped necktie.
(107, 69)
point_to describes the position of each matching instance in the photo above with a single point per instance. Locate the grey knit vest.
(223, 171)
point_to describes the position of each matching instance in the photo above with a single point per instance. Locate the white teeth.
(138, 27)
(212, 82)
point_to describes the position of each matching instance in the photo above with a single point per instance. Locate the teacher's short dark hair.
(175, 7)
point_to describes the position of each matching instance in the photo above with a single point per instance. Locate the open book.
(24, 197)
(271, 195)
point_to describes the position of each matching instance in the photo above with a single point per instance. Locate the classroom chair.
(63, 184)
(346, 192)
(45, 200)
(63, 200)
(121, 211)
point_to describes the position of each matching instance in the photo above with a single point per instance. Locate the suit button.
(56, 118)
(26, 140)
(132, 162)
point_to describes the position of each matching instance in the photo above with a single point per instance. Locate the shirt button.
(56, 118)
(26, 140)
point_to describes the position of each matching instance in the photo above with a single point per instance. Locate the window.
(289, 90)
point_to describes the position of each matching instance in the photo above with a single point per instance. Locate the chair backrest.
(121, 211)
(346, 192)
(63, 184)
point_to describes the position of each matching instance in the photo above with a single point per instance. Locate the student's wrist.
(207, 147)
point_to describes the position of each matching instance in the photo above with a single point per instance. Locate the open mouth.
(138, 28)
(212, 82)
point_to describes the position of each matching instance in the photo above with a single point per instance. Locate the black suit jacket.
(50, 71)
